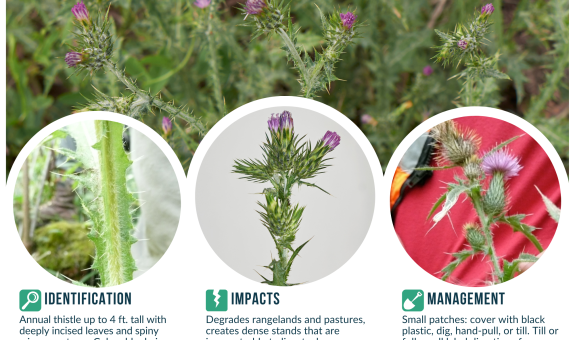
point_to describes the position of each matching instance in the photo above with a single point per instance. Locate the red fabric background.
(430, 251)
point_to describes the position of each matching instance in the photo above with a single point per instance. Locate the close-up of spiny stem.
(286, 162)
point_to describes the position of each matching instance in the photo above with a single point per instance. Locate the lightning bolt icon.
(217, 296)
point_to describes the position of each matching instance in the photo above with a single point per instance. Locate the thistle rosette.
(94, 43)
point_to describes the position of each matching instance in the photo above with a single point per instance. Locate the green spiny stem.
(216, 86)
(318, 67)
(295, 54)
(152, 100)
(113, 237)
(484, 219)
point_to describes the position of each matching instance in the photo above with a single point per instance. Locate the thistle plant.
(485, 182)
(287, 161)
(100, 151)
(339, 30)
(93, 52)
(464, 45)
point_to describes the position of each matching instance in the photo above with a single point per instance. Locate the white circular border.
(76, 118)
(551, 251)
(298, 102)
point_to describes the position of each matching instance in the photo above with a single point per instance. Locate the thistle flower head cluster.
(465, 41)
(286, 162)
(339, 31)
(94, 43)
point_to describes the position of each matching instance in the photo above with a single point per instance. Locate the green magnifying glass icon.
(32, 298)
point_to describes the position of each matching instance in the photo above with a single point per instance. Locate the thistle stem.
(317, 69)
(484, 219)
(216, 85)
(114, 259)
(295, 54)
(152, 100)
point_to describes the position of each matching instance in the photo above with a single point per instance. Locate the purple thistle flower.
(255, 6)
(462, 44)
(286, 121)
(366, 119)
(80, 11)
(487, 9)
(331, 139)
(347, 19)
(502, 162)
(274, 122)
(73, 58)
(167, 125)
(427, 70)
(202, 3)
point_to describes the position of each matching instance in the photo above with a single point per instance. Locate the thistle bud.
(472, 168)
(73, 58)
(255, 7)
(456, 146)
(81, 12)
(347, 19)
(487, 10)
(474, 236)
(331, 140)
(494, 200)
(167, 125)
(286, 122)
(202, 3)
(427, 71)
(367, 119)
(462, 44)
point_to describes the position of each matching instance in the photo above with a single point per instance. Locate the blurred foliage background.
(164, 45)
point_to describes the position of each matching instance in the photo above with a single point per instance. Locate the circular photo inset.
(285, 196)
(96, 203)
(475, 201)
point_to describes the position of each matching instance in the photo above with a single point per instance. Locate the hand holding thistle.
(286, 162)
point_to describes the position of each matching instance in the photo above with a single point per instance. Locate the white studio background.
(369, 285)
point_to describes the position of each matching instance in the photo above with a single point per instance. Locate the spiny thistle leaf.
(552, 209)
